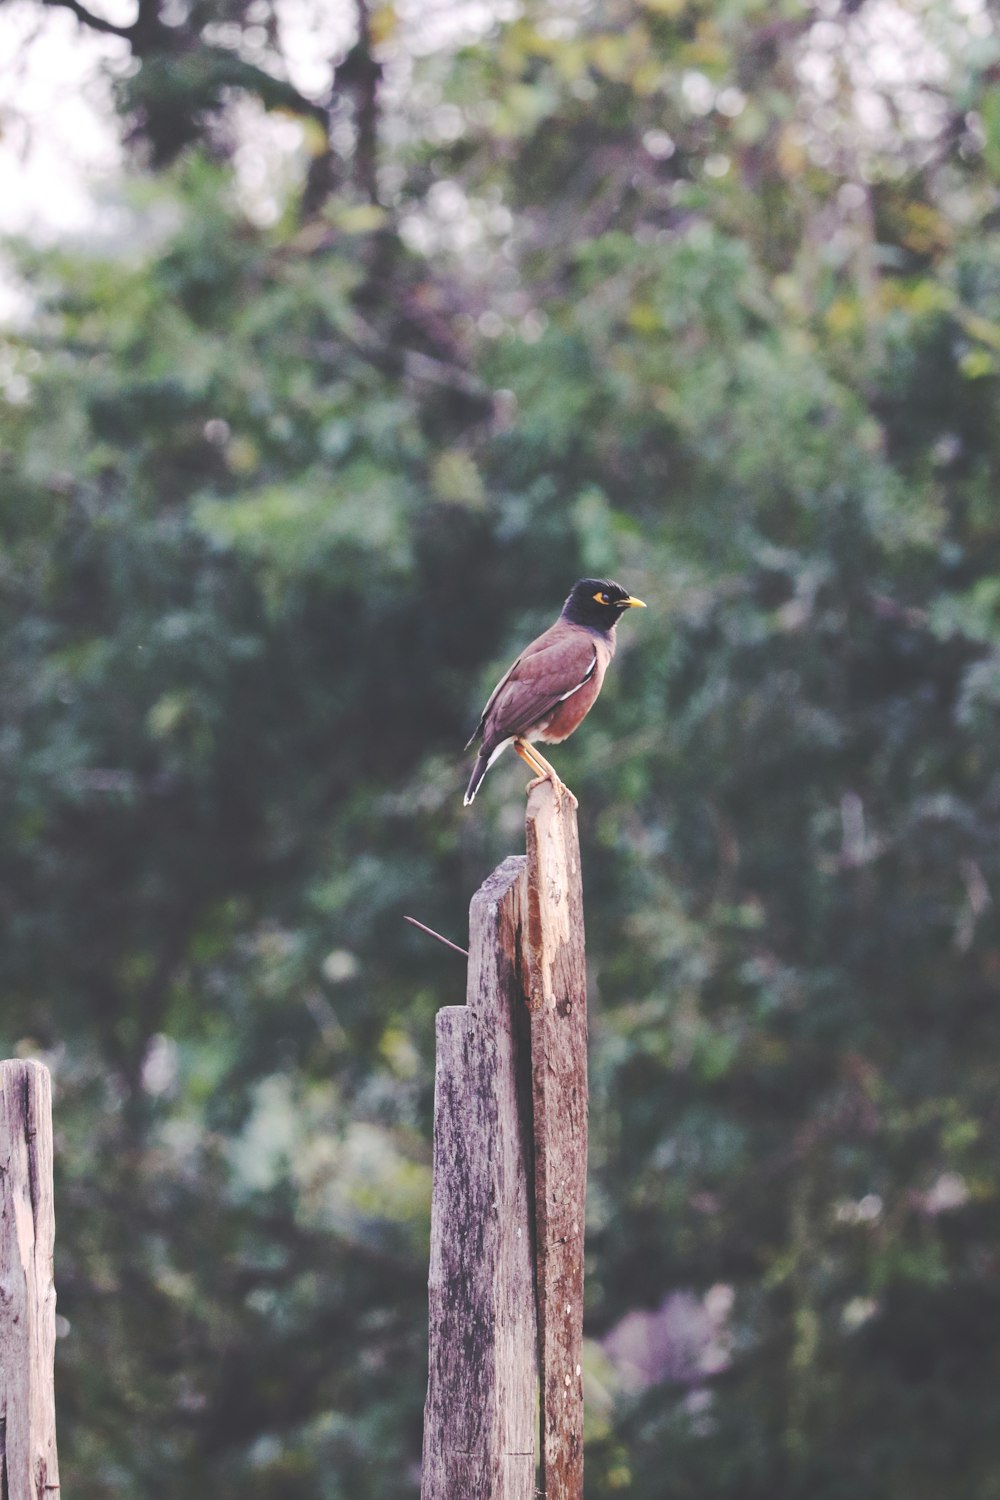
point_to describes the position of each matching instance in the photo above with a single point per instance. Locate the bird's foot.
(536, 760)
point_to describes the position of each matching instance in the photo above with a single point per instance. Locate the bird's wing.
(477, 732)
(538, 681)
(539, 644)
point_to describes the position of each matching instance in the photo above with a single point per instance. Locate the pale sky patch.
(56, 140)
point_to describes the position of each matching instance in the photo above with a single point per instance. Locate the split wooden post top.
(510, 1173)
(556, 985)
(481, 1414)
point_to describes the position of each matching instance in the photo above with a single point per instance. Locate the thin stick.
(431, 933)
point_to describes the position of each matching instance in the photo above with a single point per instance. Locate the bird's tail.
(478, 772)
(487, 755)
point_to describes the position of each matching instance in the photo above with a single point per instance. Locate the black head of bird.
(598, 604)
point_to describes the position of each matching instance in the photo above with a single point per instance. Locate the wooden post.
(510, 1170)
(28, 1466)
(557, 998)
(481, 1415)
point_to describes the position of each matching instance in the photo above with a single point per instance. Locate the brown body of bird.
(553, 684)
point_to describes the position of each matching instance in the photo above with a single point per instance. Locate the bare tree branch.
(362, 73)
(87, 17)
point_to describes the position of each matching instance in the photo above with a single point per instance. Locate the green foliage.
(278, 505)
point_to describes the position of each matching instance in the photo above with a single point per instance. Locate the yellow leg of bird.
(527, 754)
(544, 771)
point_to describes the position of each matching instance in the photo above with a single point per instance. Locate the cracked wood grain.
(28, 1465)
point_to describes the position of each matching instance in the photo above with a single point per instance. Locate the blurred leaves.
(649, 291)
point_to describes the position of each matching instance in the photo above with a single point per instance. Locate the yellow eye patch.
(602, 598)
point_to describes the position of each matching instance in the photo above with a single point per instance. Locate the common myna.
(554, 683)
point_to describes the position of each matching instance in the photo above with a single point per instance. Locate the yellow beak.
(632, 603)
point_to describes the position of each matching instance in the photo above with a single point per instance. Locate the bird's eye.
(603, 598)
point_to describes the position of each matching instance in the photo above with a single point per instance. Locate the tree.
(651, 290)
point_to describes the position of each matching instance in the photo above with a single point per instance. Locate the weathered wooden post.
(28, 1466)
(557, 999)
(510, 1163)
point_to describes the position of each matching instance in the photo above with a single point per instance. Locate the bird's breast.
(570, 713)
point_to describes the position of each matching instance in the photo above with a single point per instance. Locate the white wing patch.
(502, 746)
(583, 681)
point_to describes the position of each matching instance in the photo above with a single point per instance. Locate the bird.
(554, 683)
